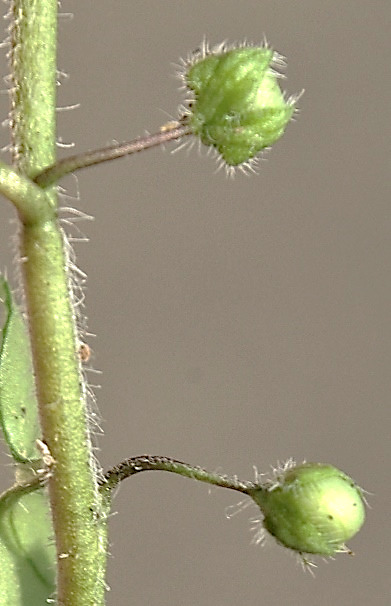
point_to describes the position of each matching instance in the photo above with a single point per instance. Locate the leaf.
(27, 555)
(18, 404)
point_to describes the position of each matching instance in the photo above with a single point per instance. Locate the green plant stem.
(33, 204)
(53, 173)
(134, 465)
(75, 502)
(33, 64)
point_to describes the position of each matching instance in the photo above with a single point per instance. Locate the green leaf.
(18, 404)
(27, 556)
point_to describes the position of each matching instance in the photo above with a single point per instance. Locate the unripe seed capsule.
(237, 106)
(314, 508)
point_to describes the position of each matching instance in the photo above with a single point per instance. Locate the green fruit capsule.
(313, 508)
(237, 105)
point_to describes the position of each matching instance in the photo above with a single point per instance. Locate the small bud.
(236, 104)
(312, 508)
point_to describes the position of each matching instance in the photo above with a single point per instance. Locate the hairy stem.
(32, 204)
(75, 502)
(134, 465)
(69, 165)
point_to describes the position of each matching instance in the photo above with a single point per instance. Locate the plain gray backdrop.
(240, 322)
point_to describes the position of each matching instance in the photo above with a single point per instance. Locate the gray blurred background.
(237, 322)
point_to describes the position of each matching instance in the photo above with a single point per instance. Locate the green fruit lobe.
(238, 107)
(314, 509)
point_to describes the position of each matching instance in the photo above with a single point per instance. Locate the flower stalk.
(90, 158)
(134, 465)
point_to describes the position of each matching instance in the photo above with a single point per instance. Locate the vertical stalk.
(76, 506)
